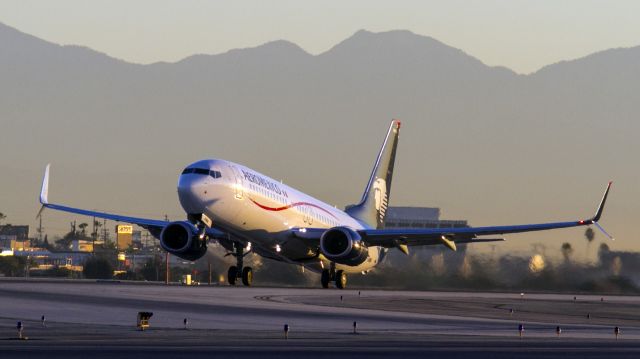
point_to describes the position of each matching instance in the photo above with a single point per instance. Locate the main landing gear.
(331, 275)
(238, 271)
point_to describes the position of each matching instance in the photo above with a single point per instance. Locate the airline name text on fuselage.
(253, 178)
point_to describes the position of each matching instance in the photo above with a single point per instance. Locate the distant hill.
(478, 141)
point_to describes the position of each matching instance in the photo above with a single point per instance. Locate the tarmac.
(98, 319)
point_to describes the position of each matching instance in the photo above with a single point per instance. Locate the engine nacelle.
(181, 239)
(344, 246)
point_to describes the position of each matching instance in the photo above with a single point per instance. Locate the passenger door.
(239, 182)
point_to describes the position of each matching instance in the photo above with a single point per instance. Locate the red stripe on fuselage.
(296, 204)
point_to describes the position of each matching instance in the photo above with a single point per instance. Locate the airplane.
(246, 211)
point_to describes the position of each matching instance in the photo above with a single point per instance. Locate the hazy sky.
(521, 35)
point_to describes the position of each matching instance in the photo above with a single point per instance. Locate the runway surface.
(99, 318)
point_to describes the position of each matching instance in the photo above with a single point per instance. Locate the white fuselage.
(259, 210)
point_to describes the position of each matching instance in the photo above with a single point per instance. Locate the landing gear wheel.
(232, 275)
(247, 276)
(325, 278)
(341, 279)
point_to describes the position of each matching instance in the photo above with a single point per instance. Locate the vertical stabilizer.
(373, 206)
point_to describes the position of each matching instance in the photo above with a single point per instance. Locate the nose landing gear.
(239, 271)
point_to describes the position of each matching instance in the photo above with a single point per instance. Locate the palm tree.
(590, 235)
(96, 233)
(83, 229)
(2, 216)
(567, 250)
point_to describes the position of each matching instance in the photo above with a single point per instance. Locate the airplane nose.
(192, 191)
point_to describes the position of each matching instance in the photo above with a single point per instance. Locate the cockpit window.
(202, 171)
(215, 174)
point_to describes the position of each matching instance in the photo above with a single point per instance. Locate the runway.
(99, 318)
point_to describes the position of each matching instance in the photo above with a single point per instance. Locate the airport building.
(45, 259)
(20, 233)
(129, 249)
(424, 217)
(14, 237)
(82, 245)
(419, 217)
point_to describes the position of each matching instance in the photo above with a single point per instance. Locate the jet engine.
(344, 246)
(181, 239)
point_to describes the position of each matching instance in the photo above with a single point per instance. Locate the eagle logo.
(381, 198)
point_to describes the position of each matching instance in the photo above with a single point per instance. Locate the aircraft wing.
(450, 236)
(155, 226)
(401, 238)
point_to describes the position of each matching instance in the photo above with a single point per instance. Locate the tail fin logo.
(381, 198)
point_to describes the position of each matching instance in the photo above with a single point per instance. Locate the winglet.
(598, 214)
(596, 218)
(44, 192)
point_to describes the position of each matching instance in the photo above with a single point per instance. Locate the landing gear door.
(239, 185)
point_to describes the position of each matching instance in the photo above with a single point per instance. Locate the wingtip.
(598, 214)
